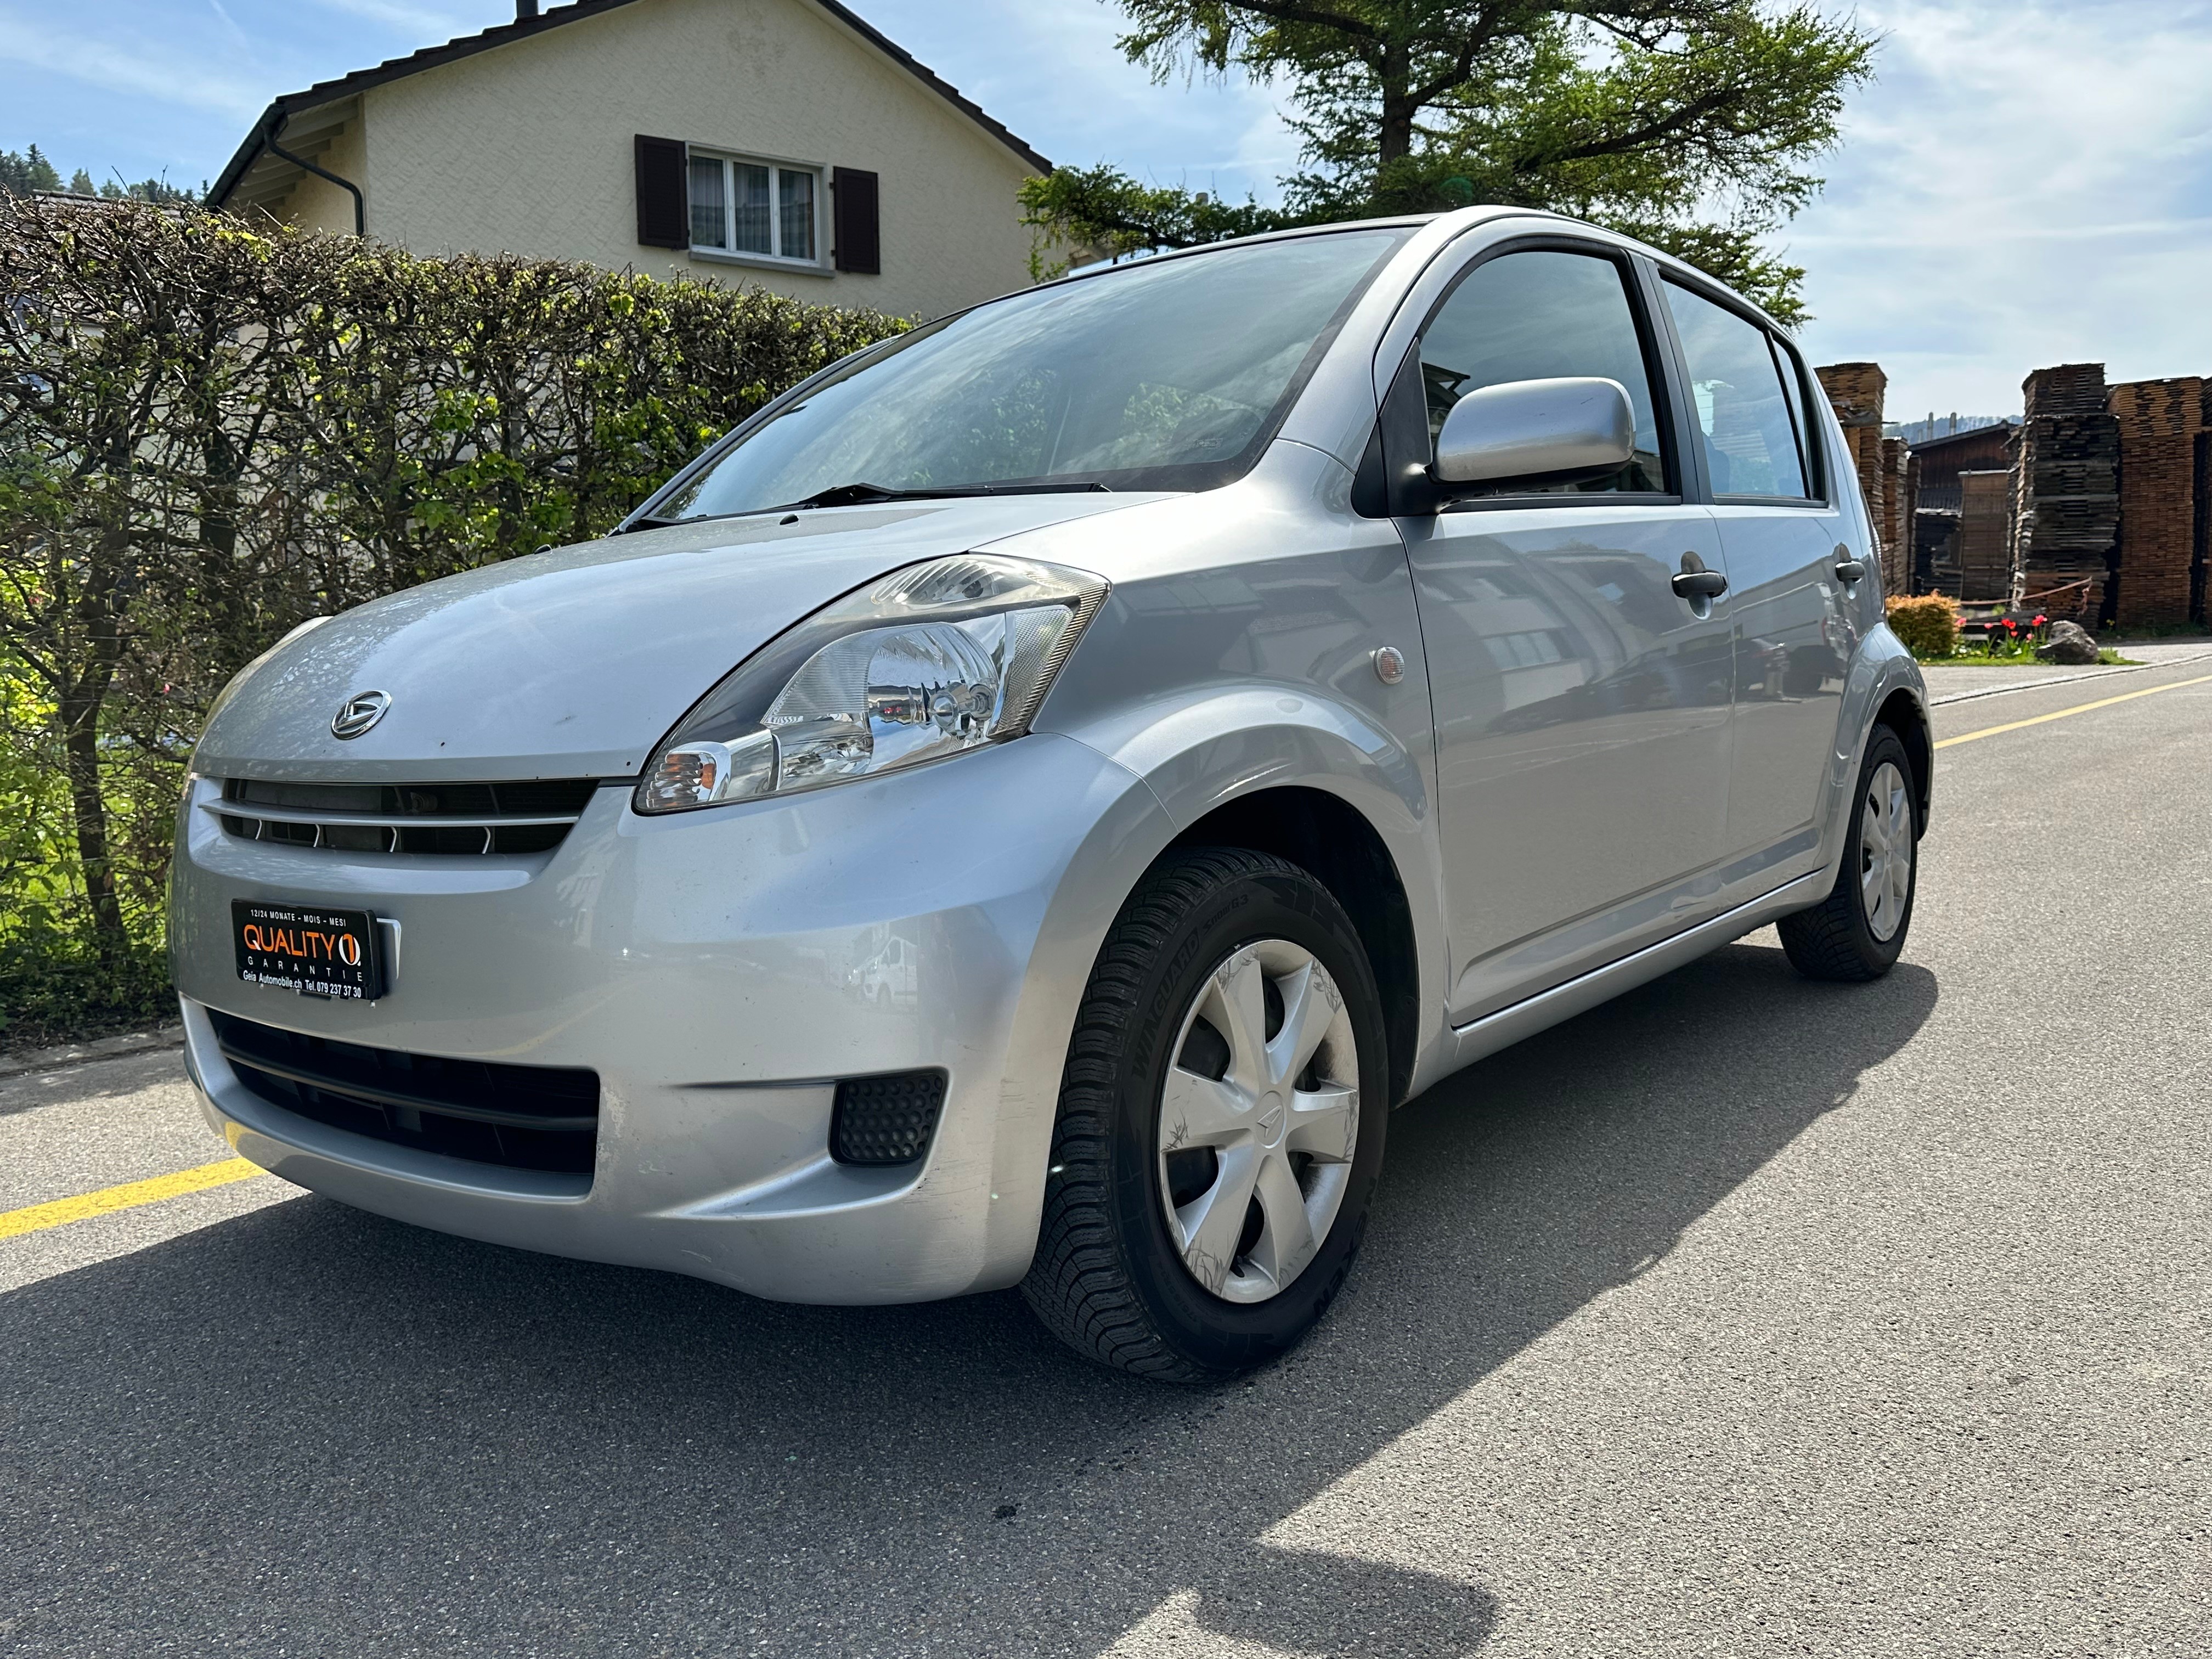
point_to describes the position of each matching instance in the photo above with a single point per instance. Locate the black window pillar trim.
(1682, 396)
(1812, 398)
(360, 208)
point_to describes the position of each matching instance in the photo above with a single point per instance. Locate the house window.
(763, 209)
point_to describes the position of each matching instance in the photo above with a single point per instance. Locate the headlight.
(931, 660)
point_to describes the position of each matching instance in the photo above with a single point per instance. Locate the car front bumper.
(720, 970)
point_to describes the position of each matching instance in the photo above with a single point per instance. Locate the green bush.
(209, 432)
(1927, 623)
(53, 989)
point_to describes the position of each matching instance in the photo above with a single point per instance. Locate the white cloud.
(163, 77)
(435, 24)
(230, 27)
(2028, 184)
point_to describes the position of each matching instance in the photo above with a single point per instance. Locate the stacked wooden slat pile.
(2159, 421)
(1927, 545)
(1854, 392)
(1896, 516)
(2066, 488)
(1984, 544)
(1937, 496)
(2200, 560)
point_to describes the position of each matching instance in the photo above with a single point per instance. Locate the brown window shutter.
(859, 233)
(664, 205)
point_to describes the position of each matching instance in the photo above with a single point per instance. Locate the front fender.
(1205, 748)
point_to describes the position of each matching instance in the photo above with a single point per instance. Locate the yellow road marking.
(2014, 725)
(37, 1218)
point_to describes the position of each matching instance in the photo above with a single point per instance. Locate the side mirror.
(1551, 429)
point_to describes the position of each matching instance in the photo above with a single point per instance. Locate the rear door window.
(1747, 421)
(1538, 315)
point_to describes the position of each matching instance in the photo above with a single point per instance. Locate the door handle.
(1693, 581)
(1850, 570)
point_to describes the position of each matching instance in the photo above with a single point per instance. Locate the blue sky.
(2028, 182)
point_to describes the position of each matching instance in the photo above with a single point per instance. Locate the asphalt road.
(1742, 1316)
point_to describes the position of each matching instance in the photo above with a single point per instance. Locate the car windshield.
(1163, 374)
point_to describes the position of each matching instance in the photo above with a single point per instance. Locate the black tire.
(1107, 1277)
(1833, 940)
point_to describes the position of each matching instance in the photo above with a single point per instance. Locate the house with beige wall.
(782, 142)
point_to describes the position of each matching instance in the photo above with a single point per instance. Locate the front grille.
(523, 1117)
(465, 820)
(885, 1120)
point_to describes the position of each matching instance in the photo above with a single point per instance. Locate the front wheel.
(1858, 930)
(1221, 1122)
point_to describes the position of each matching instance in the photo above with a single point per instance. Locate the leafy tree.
(1686, 122)
(31, 173)
(21, 175)
(159, 191)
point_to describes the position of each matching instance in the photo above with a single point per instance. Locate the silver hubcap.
(1885, 851)
(1258, 1120)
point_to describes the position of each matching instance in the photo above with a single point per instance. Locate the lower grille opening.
(519, 1117)
(885, 1120)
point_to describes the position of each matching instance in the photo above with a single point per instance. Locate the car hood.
(574, 663)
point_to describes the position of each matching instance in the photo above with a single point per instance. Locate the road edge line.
(2078, 708)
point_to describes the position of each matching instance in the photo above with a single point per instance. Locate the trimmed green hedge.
(209, 432)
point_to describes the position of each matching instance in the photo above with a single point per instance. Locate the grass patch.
(2019, 656)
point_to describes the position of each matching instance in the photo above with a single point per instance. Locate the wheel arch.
(1327, 834)
(1901, 712)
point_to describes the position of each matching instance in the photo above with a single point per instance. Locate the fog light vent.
(885, 1120)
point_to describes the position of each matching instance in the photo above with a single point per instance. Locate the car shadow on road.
(28, 1091)
(308, 1429)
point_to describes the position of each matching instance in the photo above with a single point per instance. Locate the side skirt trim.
(1506, 1027)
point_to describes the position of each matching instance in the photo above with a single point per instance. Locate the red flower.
(2040, 620)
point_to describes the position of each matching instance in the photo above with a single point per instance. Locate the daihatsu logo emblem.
(361, 710)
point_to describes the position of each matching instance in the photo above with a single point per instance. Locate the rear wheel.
(1858, 932)
(1221, 1122)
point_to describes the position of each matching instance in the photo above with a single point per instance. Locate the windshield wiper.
(650, 522)
(861, 494)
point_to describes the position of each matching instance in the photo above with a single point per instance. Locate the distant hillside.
(1940, 426)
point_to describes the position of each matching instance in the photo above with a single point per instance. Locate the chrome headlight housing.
(929, 661)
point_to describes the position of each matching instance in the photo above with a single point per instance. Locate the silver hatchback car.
(1024, 807)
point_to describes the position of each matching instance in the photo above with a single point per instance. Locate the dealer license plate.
(305, 948)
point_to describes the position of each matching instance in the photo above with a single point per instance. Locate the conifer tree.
(1686, 122)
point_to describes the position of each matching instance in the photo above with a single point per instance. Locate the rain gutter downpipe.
(360, 211)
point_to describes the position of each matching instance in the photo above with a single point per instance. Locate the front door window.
(1540, 316)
